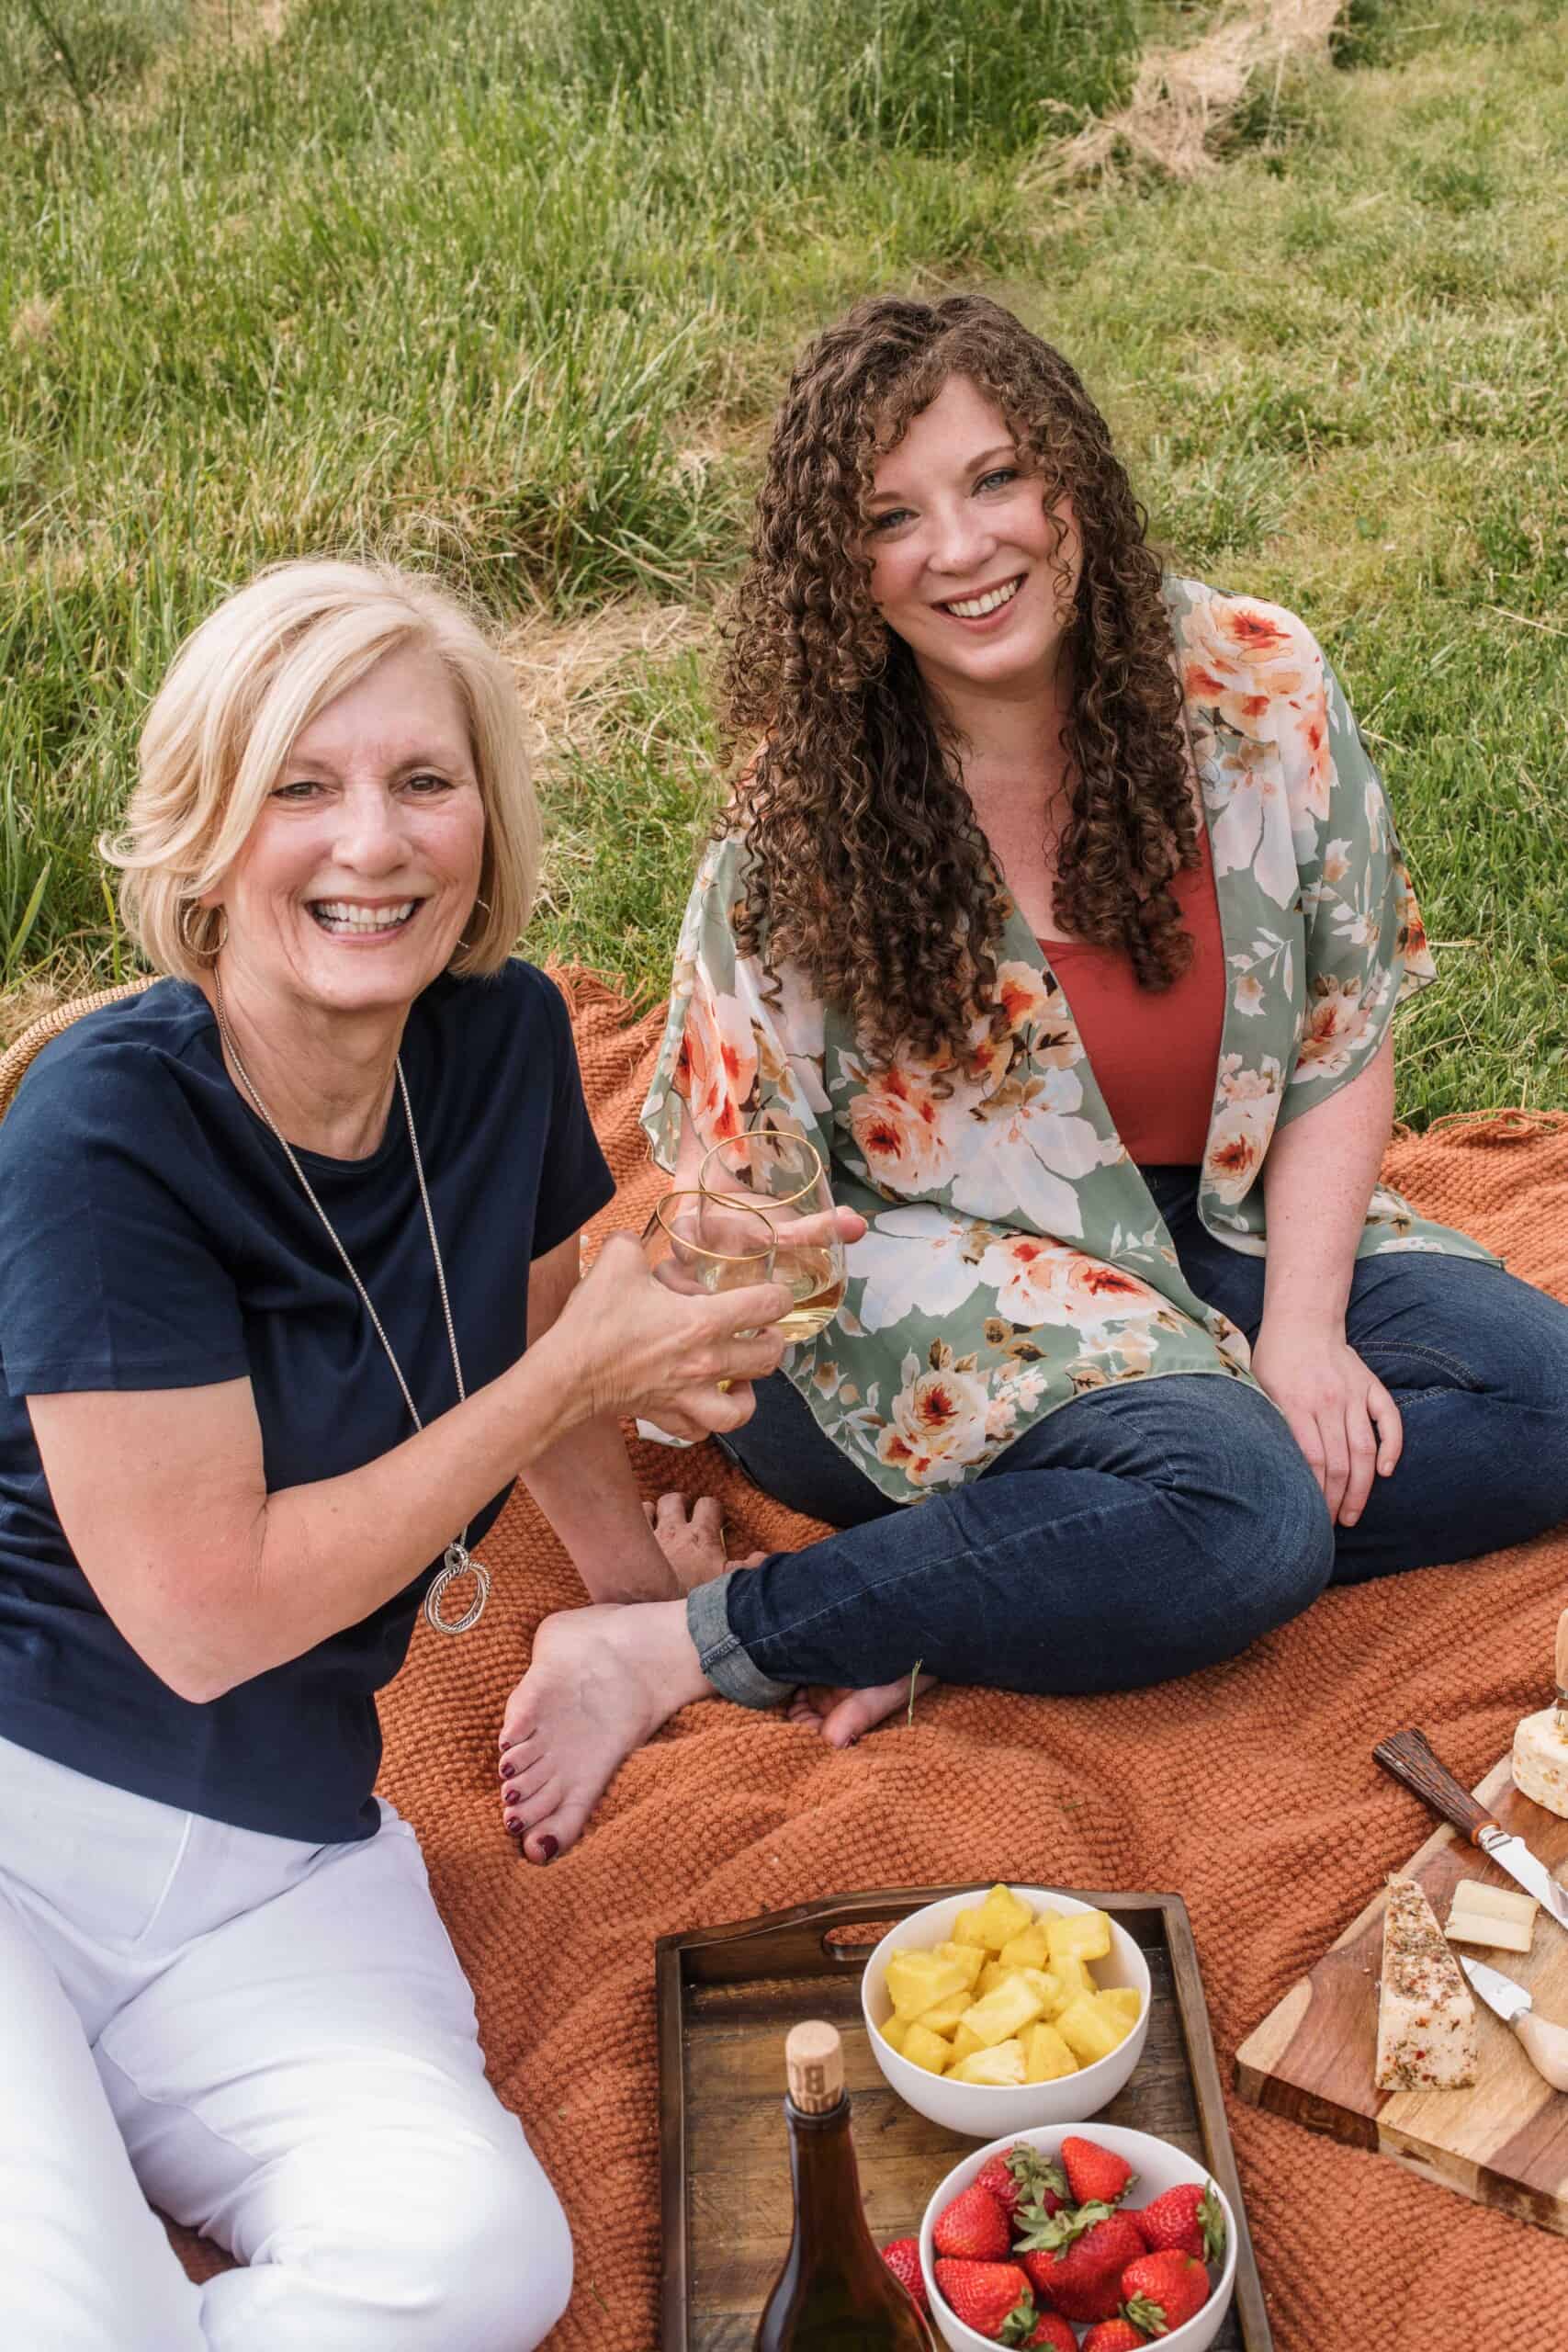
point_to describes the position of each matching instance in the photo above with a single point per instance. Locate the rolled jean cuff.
(720, 1653)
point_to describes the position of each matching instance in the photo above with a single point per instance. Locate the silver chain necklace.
(458, 1561)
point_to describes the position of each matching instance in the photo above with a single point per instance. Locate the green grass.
(512, 285)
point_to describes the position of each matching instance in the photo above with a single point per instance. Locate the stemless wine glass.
(695, 1242)
(779, 1170)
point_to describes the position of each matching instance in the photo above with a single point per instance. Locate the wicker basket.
(14, 1061)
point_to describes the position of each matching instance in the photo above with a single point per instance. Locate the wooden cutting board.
(1504, 2143)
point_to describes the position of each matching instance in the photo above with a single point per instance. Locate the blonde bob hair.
(236, 696)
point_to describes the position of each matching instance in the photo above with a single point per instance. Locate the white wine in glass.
(779, 1170)
(816, 1285)
(695, 1241)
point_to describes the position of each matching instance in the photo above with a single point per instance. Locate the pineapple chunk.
(928, 2051)
(1046, 2056)
(1003, 1914)
(947, 2014)
(1045, 1982)
(1027, 1950)
(1003, 2013)
(966, 1928)
(990, 1976)
(1088, 2033)
(969, 1956)
(1122, 2000)
(1001, 2066)
(1073, 1980)
(966, 2043)
(1086, 1935)
(917, 1981)
(893, 2032)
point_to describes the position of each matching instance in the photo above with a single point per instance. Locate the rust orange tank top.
(1154, 1052)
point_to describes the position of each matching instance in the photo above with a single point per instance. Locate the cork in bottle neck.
(813, 2060)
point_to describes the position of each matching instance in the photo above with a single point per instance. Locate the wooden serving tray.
(726, 1997)
(1503, 2144)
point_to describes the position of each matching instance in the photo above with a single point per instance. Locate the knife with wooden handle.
(1545, 2044)
(1408, 1756)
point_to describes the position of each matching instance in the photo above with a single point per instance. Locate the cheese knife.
(1408, 1756)
(1545, 2046)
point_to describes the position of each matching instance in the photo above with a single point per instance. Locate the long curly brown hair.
(870, 870)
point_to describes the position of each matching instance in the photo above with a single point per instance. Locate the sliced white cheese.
(1496, 1901)
(1540, 1761)
(1475, 1928)
(1426, 2039)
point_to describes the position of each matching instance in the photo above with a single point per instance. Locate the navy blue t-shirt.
(153, 1236)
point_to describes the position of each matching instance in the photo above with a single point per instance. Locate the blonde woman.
(289, 1296)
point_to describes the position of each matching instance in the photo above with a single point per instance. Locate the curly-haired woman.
(1060, 902)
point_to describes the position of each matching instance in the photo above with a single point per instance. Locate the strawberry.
(1051, 2330)
(1114, 2335)
(987, 2296)
(1020, 2175)
(973, 2228)
(903, 2258)
(1187, 2220)
(1161, 2292)
(1094, 2175)
(1081, 2275)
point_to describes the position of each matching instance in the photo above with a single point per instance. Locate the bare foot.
(841, 1715)
(601, 1682)
(693, 1544)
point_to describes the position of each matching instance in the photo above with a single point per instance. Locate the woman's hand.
(1340, 1414)
(627, 1344)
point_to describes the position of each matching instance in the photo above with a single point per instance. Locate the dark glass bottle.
(835, 2293)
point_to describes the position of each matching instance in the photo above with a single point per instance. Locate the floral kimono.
(1014, 1257)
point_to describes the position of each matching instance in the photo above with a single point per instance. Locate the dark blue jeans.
(1143, 1531)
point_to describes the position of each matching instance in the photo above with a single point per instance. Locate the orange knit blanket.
(1250, 1789)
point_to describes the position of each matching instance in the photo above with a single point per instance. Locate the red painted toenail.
(507, 1770)
(514, 1829)
(550, 1848)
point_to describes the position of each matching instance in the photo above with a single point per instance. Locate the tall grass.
(485, 282)
(512, 285)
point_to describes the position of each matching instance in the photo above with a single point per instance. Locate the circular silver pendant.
(458, 1563)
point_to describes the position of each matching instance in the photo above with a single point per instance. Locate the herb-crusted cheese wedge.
(1426, 2018)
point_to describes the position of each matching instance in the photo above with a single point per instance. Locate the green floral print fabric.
(1014, 1257)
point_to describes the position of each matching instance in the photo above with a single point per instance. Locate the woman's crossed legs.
(1140, 1533)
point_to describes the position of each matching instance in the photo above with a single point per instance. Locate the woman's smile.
(363, 921)
(985, 606)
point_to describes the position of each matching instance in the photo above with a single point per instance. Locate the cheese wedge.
(1540, 1761)
(1426, 2039)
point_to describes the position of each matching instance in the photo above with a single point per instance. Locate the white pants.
(273, 2042)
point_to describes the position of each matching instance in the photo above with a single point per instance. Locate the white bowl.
(1159, 2166)
(982, 2109)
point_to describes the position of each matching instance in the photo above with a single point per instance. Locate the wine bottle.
(835, 2293)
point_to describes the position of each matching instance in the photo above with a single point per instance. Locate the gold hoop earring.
(207, 952)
